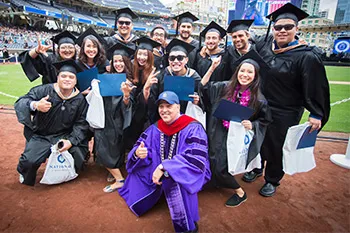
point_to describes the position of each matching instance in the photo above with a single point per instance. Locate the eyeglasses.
(67, 48)
(287, 27)
(127, 23)
(178, 57)
(159, 34)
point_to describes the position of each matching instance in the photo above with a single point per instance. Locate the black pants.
(271, 149)
(37, 150)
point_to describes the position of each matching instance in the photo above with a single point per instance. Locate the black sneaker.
(235, 200)
(251, 176)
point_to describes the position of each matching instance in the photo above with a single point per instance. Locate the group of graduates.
(277, 75)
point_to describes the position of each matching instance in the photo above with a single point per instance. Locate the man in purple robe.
(171, 156)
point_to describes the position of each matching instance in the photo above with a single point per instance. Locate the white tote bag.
(297, 160)
(59, 168)
(238, 142)
(95, 114)
(196, 112)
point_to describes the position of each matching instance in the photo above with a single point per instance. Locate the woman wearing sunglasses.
(242, 88)
(177, 52)
(108, 142)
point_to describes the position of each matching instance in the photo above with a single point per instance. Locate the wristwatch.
(161, 167)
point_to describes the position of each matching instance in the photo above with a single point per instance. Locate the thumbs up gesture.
(43, 105)
(141, 151)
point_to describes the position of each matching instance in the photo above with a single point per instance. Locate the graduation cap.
(88, 32)
(212, 27)
(237, 25)
(179, 45)
(124, 12)
(287, 11)
(186, 17)
(252, 57)
(119, 49)
(64, 37)
(146, 43)
(67, 65)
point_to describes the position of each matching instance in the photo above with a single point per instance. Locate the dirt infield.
(317, 201)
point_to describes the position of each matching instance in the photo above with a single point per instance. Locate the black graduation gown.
(112, 40)
(297, 80)
(202, 65)
(101, 67)
(139, 120)
(158, 88)
(41, 65)
(233, 56)
(58, 123)
(109, 145)
(217, 133)
(192, 54)
(159, 62)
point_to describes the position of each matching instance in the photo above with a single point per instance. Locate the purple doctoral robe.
(188, 170)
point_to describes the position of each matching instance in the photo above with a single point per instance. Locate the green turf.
(339, 120)
(14, 82)
(338, 73)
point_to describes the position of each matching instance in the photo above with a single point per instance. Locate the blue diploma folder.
(231, 111)
(182, 86)
(307, 139)
(110, 84)
(85, 78)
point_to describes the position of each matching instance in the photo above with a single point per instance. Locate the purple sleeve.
(135, 162)
(190, 166)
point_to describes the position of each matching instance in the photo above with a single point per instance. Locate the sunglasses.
(287, 27)
(127, 23)
(178, 57)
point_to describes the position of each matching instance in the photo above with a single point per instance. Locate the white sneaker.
(21, 178)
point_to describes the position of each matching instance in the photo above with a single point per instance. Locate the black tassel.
(268, 29)
(226, 42)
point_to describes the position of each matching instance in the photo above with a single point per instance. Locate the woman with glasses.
(38, 61)
(242, 88)
(109, 146)
(177, 52)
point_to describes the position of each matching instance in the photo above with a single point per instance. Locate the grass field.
(14, 82)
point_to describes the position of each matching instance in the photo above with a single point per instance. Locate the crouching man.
(51, 113)
(170, 157)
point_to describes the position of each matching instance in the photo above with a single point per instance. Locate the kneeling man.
(51, 113)
(170, 157)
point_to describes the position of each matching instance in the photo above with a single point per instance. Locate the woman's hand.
(247, 124)
(152, 79)
(195, 97)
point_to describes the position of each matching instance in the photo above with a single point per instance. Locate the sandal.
(117, 185)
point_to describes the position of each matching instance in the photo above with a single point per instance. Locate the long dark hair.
(253, 87)
(146, 70)
(127, 67)
(100, 57)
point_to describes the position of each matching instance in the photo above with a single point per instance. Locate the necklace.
(162, 145)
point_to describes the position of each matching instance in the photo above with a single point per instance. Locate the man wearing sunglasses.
(123, 24)
(296, 80)
(178, 52)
